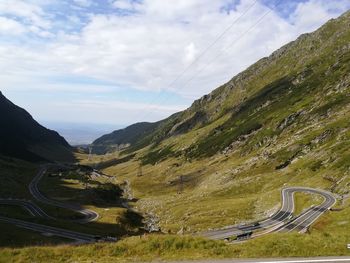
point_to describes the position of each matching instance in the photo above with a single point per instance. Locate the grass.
(12, 236)
(15, 177)
(167, 247)
(114, 220)
(304, 201)
(223, 190)
(190, 185)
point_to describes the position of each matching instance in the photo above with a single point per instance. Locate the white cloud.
(310, 15)
(98, 111)
(83, 3)
(190, 53)
(148, 49)
(10, 27)
(125, 4)
(31, 13)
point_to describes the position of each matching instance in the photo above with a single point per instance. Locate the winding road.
(31, 208)
(36, 211)
(89, 215)
(55, 231)
(282, 220)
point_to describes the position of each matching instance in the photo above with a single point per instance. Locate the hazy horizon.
(80, 133)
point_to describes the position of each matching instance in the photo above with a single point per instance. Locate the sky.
(117, 62)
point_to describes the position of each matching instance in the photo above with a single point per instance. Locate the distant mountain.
(24, 138)
(127, 136)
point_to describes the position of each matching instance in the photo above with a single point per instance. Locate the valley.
(258, 168)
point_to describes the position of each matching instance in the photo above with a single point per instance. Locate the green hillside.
(283, 121)
(300, 81)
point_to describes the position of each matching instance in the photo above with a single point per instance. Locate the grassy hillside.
(99, 194)
(285, 121)
(328, 237)
(282, 122)
(301, 81)
(123, 138)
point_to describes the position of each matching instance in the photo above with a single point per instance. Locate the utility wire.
(205, 51)
(224, 50)
(212, 44)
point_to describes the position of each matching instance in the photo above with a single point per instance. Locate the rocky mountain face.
(24, 138)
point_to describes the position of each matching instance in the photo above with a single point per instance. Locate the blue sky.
(115, 61)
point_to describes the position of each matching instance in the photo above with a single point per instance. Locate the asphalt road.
(55, 231)
(36, 211)
(276, 260)
(282, 220)
(32, 208)
(89, 215)
(303, 221)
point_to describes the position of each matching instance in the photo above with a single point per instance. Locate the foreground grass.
(139, 249)
(12, 236)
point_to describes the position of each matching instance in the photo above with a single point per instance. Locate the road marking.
(309, 260)
(313, 213)
(275, 222)
(300, 220)
(334, 201)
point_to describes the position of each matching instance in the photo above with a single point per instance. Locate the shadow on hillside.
(16, 237)
(118, 223)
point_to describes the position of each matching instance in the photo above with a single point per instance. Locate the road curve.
(32, 208)
(282, 220)
(89, 215)
(55, 231)
(36, 211)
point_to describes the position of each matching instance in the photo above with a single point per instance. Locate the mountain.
(284, 121)
(130, 135)
(286, 87)
(24, 138)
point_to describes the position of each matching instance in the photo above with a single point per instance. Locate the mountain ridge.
(24, 138)
(231, 96)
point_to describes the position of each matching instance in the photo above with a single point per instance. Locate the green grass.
(15, 177)
(140, 249)
(155, 156)
(302, 88)
(12, 236)
(114, 220)
(101, 195)
(304, 201)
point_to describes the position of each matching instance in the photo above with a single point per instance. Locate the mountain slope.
(282, 122)
(22, 137)
(295, 68)
(123, 137)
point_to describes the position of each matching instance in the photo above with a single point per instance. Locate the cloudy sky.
(122, 61)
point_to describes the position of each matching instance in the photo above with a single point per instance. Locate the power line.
(212, 44)
(226, 48)
(205, 51)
